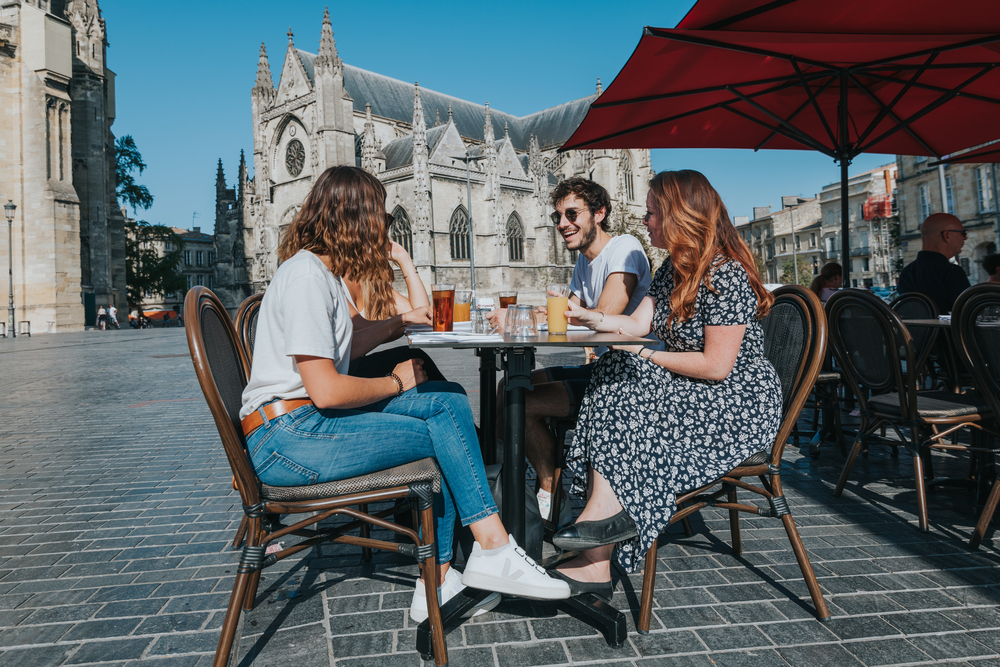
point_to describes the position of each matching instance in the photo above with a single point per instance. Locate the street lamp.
(8, 210)
(468, 160)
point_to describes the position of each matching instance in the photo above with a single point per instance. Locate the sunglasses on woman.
(570, 213)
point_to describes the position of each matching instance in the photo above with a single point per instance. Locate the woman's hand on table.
(634, 349)
(577, 314)
(421, 315)
(411, 373)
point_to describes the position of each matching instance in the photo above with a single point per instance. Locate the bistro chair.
(975, 326)
(870, 343)
(926, 343)
(222, 374)
(246, 324)
(795, 343)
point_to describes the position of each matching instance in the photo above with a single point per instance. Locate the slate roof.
(399, 152)
(392, 98)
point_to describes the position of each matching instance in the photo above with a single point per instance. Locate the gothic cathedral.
(417, 142)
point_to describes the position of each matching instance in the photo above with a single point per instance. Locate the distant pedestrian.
(113, 315)
(829, 279)
(991, 264)
(102, 318)
(166, 319)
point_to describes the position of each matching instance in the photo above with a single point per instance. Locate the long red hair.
(697, 231)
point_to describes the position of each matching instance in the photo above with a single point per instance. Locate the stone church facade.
(325, 112)
(57, 163)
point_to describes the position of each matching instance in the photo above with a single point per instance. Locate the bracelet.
(399, 383)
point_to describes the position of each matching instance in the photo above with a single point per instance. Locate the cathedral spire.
(264, 81)
(220, 178)
(506, 131)
(600, 88)
(327, 58)
(437, 117)
(421, 181)
(488, 137)
(449, 113)
(370, 145)
(241, 185)
(291, 42)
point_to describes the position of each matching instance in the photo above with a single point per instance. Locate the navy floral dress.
(654, 434)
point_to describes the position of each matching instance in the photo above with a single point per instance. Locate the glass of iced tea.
(556, 302)
(444, 306)
(463, 305)
(508, 299)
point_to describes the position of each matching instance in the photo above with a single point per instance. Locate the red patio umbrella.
(901, 17)
(839, 94)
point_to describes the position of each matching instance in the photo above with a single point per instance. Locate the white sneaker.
(513, 572)
(449, 588)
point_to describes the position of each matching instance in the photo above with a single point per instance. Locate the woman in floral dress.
(656, 424)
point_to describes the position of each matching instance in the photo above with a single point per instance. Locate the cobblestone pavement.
(116, 513)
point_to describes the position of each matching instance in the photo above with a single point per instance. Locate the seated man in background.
(611, 275)
(991, 264)
(942, 237)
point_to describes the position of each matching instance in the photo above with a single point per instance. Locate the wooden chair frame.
(262, 528)
(246, 324)
(969, 305)
(722, 493)
(908, 425)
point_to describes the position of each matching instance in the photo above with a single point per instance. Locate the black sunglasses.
(964, 233)
(571, 214)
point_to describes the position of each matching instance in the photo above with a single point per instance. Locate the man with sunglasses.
(942, 237)
(611, 275)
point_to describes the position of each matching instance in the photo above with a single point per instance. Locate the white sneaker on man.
(449, 588)
(509, 570)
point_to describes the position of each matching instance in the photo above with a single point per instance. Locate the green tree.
(788, 272)
(146, 269)
(127, 160)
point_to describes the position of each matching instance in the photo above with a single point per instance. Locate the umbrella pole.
(845, 222)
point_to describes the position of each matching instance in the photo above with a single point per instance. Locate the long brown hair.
(377, 294)
(825, 277)
(343, 217)
(697, 230)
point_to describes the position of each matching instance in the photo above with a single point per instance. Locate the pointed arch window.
(515, 238)
(626, 165)
(458, 233)
(400, 231)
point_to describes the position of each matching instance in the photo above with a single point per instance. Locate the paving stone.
(886, 652)
(818, 655)
(665, 643)
(733, 637)
(531, 655)
(104, 629)
(759, 658)
(119, 649)
(37, 656)
(496, 633)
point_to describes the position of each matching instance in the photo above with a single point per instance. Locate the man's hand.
(496, 318)
(421, 315)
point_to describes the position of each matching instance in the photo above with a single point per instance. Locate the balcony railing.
(863, 251)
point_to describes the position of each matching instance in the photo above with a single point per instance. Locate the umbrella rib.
(792, 131)
(812, 100)
(725, 46)
(887, 109)
(806, 141)
(882, 114)
(923, 112)
(981, 41)
(709, 89)
(750, 13)
(936, 89)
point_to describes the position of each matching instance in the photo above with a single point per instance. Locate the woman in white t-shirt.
(321, 424)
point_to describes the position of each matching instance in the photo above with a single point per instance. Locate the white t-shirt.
(113, 312)
(305, 312)
(622, 254)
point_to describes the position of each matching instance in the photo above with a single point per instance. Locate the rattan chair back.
(918, 306)
(246, 324)
(222, 373)
(975, 325)
(870, 342)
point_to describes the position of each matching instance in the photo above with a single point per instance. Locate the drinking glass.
(522, 319)
(444, 306)
(463, 304)
(477, 320)
(556, 301)
(508, 299)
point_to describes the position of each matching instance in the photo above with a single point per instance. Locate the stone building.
(872, 253)
(325, 112)
(968, 191)
(57, 162)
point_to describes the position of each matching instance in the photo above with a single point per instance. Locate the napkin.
(544, 326)
(454, 337)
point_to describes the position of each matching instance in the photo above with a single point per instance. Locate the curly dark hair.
(991, 263)
(592, 193)
(343, 217)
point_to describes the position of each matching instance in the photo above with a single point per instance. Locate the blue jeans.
(311, 446)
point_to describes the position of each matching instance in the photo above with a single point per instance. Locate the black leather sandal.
(592, 534)
(604, 590)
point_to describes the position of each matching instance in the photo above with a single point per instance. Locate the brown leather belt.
(253, 421)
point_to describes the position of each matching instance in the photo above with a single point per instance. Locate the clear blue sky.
(185, 70)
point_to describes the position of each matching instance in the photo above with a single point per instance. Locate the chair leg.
(648, 582)
(240, 534)
(734, 524)
(366, 532)
(429, 569)
(987, 515)
(838, 424)
(807, 571)
(918, 475)
(686, 523)
(231, 622)
(847, 468)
